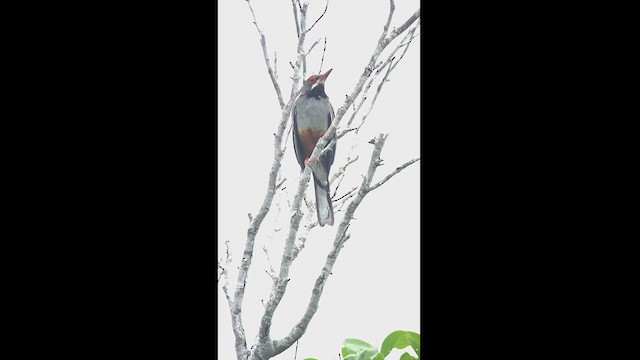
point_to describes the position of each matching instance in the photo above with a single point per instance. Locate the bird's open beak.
(324, 76)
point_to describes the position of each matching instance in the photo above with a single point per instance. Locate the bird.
(312, 116)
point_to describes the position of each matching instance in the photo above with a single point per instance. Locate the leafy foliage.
(400, 339)
(356, 349)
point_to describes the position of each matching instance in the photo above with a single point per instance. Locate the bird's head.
(317, 79)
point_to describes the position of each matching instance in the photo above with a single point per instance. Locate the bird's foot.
(306, 161)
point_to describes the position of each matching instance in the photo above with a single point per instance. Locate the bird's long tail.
(323, 202)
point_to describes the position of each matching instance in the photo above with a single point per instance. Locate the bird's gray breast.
(313, 113)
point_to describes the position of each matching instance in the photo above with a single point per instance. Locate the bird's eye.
(312, 79)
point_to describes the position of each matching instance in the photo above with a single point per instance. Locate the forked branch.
(341, 237)
(266, 348)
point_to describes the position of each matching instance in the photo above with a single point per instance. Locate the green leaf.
(407, 356)
(356, 349)
(400, 339)
(310, 359)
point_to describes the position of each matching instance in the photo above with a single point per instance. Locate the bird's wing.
(297, 146)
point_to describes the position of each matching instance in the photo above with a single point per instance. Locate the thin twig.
(382, 44)
(392, 174)
(344, 132)
(330, 145)
(406, 45)
(311, 48)
(286, 138)
(348, 192)
(271, 272)
(341, 172)
(400, 29)
(263, 42)
(305, 233)
(380, 67)
(364, 97)
(275, 64)
(344, 202)
(390, 68)
(323, 51)
(343, 168)
(375, 96)
(224, 275)
(314, 24)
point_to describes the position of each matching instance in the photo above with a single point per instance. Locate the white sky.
(374, 288)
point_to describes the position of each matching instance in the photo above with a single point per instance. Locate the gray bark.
(264, 347)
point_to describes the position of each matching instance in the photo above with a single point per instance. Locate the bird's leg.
(306, 161)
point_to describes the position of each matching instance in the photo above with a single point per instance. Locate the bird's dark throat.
(317, 92)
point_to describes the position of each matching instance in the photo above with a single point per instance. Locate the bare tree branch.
(342, 170)
(299, 329)
(384, 41)
(302, 239)
(390, 68)
(236, 319)
(284, 147)
(345, 195)
(287, 258)
(304, 59)
(263, 346)
(330, 145)
(275, 65)
(343, 202)
(271, 272)
(280, 183)
(392, 8)
(312, 46)
(404, 44)
(295, 17)
(375, 96)
(323, 51)
(300, 58)
(236, 309)
(344, 132)
(324, 12)
(341, 237)
(266, 348)
(399, 30)
(224, 274)
(263, 42)
(380, 67)
(396, 171)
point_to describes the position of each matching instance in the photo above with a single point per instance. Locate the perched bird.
(312, 116)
